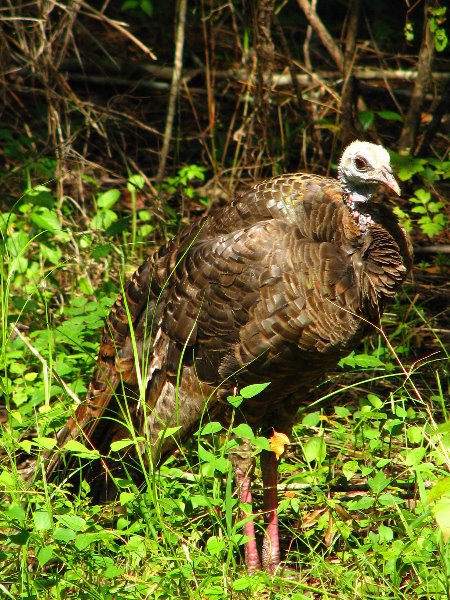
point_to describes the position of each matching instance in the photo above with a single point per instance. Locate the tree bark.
(347, 97)
(408, 136)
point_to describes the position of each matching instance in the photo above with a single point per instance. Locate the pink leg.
(252, 560)
(271, 543)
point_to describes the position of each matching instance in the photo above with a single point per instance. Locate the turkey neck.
(381, 257)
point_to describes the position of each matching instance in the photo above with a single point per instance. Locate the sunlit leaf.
(315, 449)
(108, 199)
(120, 444)
(252, 390)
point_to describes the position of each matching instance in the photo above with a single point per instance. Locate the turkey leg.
(244, 465)
(244, 482)
(271, 542)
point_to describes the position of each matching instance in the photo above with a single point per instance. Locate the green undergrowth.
(365, 489)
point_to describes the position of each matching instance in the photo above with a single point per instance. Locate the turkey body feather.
(277, 286)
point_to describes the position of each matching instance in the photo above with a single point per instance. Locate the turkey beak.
(389, 181)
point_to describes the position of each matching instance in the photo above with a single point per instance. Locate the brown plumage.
(277, 286)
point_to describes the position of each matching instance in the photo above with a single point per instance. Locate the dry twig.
(322, 32)
(174, 88)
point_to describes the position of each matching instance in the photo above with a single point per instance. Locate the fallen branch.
(123, 73)
(441, 248)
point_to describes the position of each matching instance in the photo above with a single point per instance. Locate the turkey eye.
(361, 163)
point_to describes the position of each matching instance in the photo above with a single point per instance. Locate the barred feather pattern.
(277, 286)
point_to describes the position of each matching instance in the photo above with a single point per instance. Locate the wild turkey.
(277, 286)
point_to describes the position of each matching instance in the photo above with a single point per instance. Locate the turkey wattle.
(277, 286)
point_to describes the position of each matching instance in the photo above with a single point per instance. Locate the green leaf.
(441, 512)
(64, 535)
(375, 401)
(8, 480)
(367, 361)
(440, 490)
(120, 444)
(235, 400)
(147, 7)
(101, 251)
(129, 5)
(215, 546)
(221, 464)
(48, 220)
(244, 431)
(315, 449)
(366, 118)
(17, 243)
(199, 500)
(126, 497)
(422, 195)
(378, 483)
(386, 534)
(165, 433)
(103, 219)
(213, 427)
(53, 255)
(42, 520)
(135, 182)
(73, 522)
(415, 435)
(16, 513)
(124, 483)
(85, 286)
(432, 227)
(206, 456)
(26, 445)
(262, 443)
(192, 172)
(360, 360)
(20, 538)
(84, 540)
(312, 419)
(364, 503)
(408, 165)
(80, 450)
(242, 583)
(44, 555)
(409, 32)
(342, 412)
(389, 115)
(349, 468)
(435, 207)
(252, 390)
(45, 442)
(108, 199)
(113, 571)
